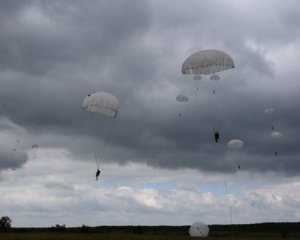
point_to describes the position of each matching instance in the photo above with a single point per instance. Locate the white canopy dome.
(182, 98)
(276, 134)
(207, 62)
(103, 103)
(235, 144)
(199, 229)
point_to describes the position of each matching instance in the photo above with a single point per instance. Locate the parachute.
(209, 62)
(104, 104)
(235, 144)
(35, 149)
(269, 110)
(182, 98)
(214, 77)
(199, 229)
(197, 77)
(275, 135)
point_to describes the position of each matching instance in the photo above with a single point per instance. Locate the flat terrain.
(134, 236)
(260, 231)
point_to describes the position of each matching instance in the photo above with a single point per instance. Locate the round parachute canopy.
(235, 144)
(207, 62)
(182, 98)
(35, 146)
(276, 134)
(199, 229)
(269, 110)
(197, 77)
(214, 77)
(102, 102)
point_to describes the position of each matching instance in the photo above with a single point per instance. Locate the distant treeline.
(272, 227)
(262, 228)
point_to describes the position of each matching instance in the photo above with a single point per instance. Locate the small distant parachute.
(197, 77)
(269, 110)
(235, 144)
(102, 102)
(276, 135)
(214, 77)
(199, 229)
(182, 98)
(207, 62)
(34, 149)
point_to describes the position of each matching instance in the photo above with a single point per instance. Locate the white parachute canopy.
(207, 62)
(276, 135)
(197, 77)
(102, 102)
(199, 229)
(214, 77)
(182, 98)
(235, 144)
(269, 110)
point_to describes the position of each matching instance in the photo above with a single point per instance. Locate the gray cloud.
(54, 54)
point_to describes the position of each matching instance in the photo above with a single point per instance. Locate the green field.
(261, 231)
(124, 236)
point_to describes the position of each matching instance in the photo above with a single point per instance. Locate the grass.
(134, 236)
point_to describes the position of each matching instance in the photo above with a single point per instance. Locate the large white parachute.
(235, 144)
(102, 102)
(199, 229)
(207, 62)
(106, 104)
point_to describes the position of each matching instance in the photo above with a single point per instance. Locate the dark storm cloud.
(44, 34)
(54, 53)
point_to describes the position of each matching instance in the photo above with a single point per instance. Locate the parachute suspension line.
(107, 140)
(218, 108)
(94, 118)
(98, 156)
(227, 193)
(95, 153)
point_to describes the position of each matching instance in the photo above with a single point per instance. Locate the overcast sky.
(158, 168)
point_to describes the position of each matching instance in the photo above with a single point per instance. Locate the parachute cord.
(229, 206)
(95, 154)
(108, 138)
(219, 107)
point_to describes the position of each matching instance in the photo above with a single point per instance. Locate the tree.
(5, 223)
